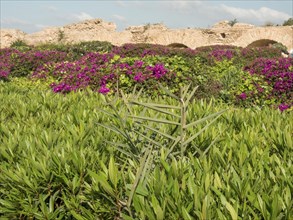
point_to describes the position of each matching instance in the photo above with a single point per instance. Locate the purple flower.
(138, 64)
(259, 89)
(3, 74)
(138, 77)
(159, 71)
(62, 87)
(220, 54)
(243, 96)
(104, 90)
(283, 107)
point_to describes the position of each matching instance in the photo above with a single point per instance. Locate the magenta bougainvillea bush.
(276, 81)
(103, 73)
(262, 76)
(16, 63)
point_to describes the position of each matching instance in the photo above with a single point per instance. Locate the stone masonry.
(96, 29)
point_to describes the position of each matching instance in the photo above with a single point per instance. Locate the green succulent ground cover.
(84, 156)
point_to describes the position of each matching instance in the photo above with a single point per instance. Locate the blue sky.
(32, 16)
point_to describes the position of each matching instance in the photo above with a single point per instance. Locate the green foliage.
(233, 22)
(256, 88)
(181, 127)
(93, 46)
(230, 79)
(61, 164)
(180, 72)
(289, 22)
(53, 47)
(20, 45)
(215, 70)
(37, 84)
(280, 46)
(269, 24)
(25, 63)
(248, 55)
(61, 35)
(77, 50)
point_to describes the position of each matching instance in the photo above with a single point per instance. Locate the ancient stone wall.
(8, 36)
(221, 33)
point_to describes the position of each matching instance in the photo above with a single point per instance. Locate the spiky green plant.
(176, 116)
(55, 163)
(175, 142)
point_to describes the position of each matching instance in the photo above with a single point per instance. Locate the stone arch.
(270, 43)
(261, 43)
(263, 35)
(177, 45)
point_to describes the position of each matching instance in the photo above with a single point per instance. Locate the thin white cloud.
(14, 21)
(212, 13)
(23, 25)
(126, 4)
(120, 18)
(121, 3)
(260, 15)
(41, 26)
(82, 16)
(183, 5)
(51, 8)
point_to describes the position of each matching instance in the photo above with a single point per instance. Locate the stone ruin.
(222, 33)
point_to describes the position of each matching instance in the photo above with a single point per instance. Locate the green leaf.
(139, 176)
(204, 211)
(158, 105)
(185, 214)
(168, 92)
(190, 96)
(184, 91)
(113, 172)
(113, 128)
(149, 139)
(157, 131)
(77, 216)
(126, 217)
(153, 107)
(231, 210)
(173, 146)
(99, 178)
(204, 119)
(217, 181)
(158, 210)
(141, 190)
(198, 133)
(156, 120)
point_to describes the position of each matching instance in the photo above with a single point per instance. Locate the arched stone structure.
(177, 45)
(241, 35)
(262, 43)
(283, 35)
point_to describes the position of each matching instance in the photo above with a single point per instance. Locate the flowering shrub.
(72, 76)
(25, 63)
(21, 45)
(227, 76)
(106, 73)
(219, 55)
(77, 50)
(16, 63)
(248, 55)
(210, 48)
(216, 70)
(142, 50)
(272, 78)
(5, 62)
